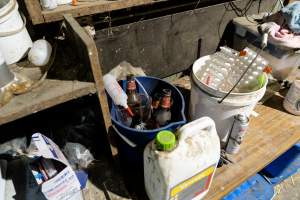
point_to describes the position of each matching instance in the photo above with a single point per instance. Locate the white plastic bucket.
(204, 102)
(14, 38)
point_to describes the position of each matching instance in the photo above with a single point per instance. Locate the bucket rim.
(8, 10)
(4, 5)
(220, 93)
(183, 121)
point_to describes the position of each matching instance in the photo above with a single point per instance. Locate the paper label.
(193, 186)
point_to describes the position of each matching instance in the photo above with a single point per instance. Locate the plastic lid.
(165, 141)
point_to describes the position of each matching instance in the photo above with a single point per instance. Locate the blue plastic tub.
(131, 141)
(284, 166)
(255, 188)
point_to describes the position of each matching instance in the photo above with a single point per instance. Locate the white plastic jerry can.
(183, 169)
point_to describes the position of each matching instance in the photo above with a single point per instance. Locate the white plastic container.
(115, 91)
(62, 2)
(49, 4)
(204, 102)
(186, 171)
(292, 100)
(14, 38)
(40, 53)
(283, 61)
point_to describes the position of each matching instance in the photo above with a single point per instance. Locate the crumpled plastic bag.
(78, 156)
(124, 68)
(281, 36)
(14, 147)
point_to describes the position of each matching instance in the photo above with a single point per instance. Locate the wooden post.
(88, 51)
(35, 11)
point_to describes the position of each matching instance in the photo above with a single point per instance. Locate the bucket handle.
(204, 123)
(129, 142)
(5, 34)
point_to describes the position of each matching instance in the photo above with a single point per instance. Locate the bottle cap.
(243, 53)
(165, 141)
(261, 80)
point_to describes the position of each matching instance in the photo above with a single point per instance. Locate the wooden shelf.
(270, 134)
(39, 16)
(48, 94)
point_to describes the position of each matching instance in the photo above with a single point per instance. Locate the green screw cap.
(165, 141)
(261, 80)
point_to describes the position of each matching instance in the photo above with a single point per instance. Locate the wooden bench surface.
(270, 134)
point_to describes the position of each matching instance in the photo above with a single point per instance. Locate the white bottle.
(49, 4)
(62, 2)
(115, 91)
(182, 170)
(40, 53)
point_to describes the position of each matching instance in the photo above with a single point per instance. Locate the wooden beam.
(88, 51)
(35, 11)
(88, 8)
(48, 94)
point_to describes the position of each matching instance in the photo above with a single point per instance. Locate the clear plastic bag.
(78, 155)
(14, 147)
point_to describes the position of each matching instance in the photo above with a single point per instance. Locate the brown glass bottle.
(163, 114)
(133, 97)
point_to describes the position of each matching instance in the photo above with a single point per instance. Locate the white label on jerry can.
(193, 186)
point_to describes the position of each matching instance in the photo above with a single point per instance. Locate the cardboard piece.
(64, 185)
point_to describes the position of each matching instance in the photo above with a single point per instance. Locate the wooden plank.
(48, 94)
(88, 51)
(88, 8)
(35, 11)
(271, 134)
(171, 48)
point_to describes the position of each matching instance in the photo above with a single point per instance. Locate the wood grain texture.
(82, 9)
(50, 93)
(271, 134)
(35, 11)
(87, 50)
(168, 44)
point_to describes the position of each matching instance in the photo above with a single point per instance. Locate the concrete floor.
(289, 189)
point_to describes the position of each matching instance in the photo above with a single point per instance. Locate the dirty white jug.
(183, 169)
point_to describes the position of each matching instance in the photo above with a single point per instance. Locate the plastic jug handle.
(195, 127)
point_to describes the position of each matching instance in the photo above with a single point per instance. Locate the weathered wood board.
(169, 44)
(48, 94)
(270, 134)
(38, 15)
(87, 51)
